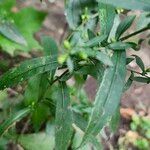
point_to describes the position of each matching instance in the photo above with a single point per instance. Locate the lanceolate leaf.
(104, 58)
(73, 13)
(101, 56)
(50, 46)
(139, 62)
(13, 119)
(11, 32)
(96, 70)
(37, 141)
(34, 93)
(31, 92)
(63, 130)
(106, 15)
(39, 116)
(115, 120)
(142, 79)
(50, 49)
(128, 4)
(124, 25)
(74, 10)
(142, 21)
(121, 45)
(95, 41)
(26, 70)
(91, 34)
(108, 95)
(129, 60)
(80, 122)
(129, 82)
(37, 85)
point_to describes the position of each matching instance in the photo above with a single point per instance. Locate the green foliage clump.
(17, 28)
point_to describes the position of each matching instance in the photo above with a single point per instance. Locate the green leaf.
(139, 63)
(31, 94)
(115, 120)
(27, 21)
(80, 122)
(91, 34)
(101, 56)
(13, 119)
(121, 45)
(11, 32)
(129, 60)
(38, 141)
(148, 70)
(76, 141)
(43, 84)
(142, 79)
(95, 70)
(116, 23)
(37, 86)
(95, 41)
(129, 82)
(106, 16)
(50, 49)
(124, 25)
(73, 13)
(142, 21)
(34, 94)
(108, 96)
(104, 58)
(39, 115)
(26, 70)
(49, 45)
(70, 64)
(128, 4)
(81, 34)
(74, 10)
(3, 143)
(63, 130)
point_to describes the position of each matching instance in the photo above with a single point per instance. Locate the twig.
(138, 73)
(58, 78)
(135, 33)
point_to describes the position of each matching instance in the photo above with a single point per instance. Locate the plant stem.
(58, 78)
(135, 33)
(138, 73)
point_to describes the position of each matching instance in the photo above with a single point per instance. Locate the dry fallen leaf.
(132, 136)
(127, 113)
